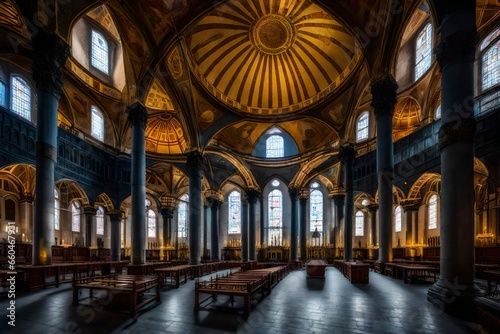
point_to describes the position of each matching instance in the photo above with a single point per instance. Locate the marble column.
(384, 99)
(115, 218)
(194, 167)
(50, 54)
(373, 224)
(253, 196)
(244, 229)
(138, 116)
(303, 226)
(263, 219)
(26, 217)
(215, 205)
(455, 290)
(167, 214)
(338, 201)
(410, 210)
(347, 155)
(89, 212)
(205, 230)
(294, 225)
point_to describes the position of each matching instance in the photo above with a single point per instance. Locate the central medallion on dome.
(272, 34)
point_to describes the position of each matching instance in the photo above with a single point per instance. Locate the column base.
(456, 299)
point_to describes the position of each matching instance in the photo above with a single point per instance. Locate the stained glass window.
(97, 124)
(360, 224)
(234, 213)
(3, 98)
(433, 212)
(100, 55)
(362, 126)
(423, 51)
(397, 219)
(151, 224)
(75, 218)
(21, 98)
(275, 200)
(316, 209)
(491, 66)
(99, 219)
(275, 147)
(56, 210)
(182, 216)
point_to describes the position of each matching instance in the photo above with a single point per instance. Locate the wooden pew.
(174, 275)
(135, 288)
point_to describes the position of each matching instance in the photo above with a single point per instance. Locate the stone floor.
(296, 305)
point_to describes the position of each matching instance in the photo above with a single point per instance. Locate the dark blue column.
(294, 226)
(338, 202)
(49, 59)
(253, 196)
(263, 219)
(214, 229)
(303, 227)
(455, 290)
(244, 229)
(115, 218)
(384, 92)
(346, 155)
(89, 223)
(138, 116)
(194, 167)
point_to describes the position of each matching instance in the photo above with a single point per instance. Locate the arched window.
(491, 65)
(56, 210)
(438, 112)
(99, 219)
(21, 98)
(316, 208)
(275, 147)
(433, 212)
(97, 124)
(75, 216)
(362, 126)
(234, 213)
(360, 224)
(151, 224)
(275, 201)
(3, 95)
(182, 216)
(423, 51)
(397, 218)
(99, 52)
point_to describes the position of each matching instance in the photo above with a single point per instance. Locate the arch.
(428, 180)
(70, 190)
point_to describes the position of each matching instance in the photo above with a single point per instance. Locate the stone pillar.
(138, 117)
(215, 205)
(244, 229)
(205, 229)
(167, 214)
(338, 201)
(455, 290)
(50, 54)
(253, 195)
(383, 100)
(346, 155)
(263, 219)
(115, 218)
(294, 226)
(194, 167)
(26, 217)
(373, 224)
(303, 225)
(410, 210)
(89, 212)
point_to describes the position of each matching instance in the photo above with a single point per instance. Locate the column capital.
(137, 114)
(294, 192)
(463, 130)
(214, 195)
(347, 152)
(26, 198)
(384, 95)
(372, 207)
(89, 210)
(169, 202)
(446, 7)
(51, 53)
(338, 198)
(115, 215)
(411, 204)
(194, 161)
(252, 195)
(167, 212)
(456, 47)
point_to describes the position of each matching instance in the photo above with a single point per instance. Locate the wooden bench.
(412, 272)
(136, 289)
(174, 275)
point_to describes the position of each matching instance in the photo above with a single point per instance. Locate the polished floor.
(296, 305)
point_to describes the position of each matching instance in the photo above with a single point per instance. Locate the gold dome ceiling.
(271, 57)
(164, 135)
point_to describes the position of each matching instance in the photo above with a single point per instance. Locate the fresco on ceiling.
(174, 63)
(164, 135)
(64, 116)
(242, 136)
(332, 173)
(81, 108)
(161, 13)
(206, 113)
(103, 17)
(158, 98)
(337, 114)
(308, 133)
(11, 19)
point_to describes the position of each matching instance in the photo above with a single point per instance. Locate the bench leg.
(75, 296)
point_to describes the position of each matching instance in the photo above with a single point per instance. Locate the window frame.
(91, 50)
(3, 94)
(280, 151)
(151, 223)
(359, 232)
(57, 222)
(315, 193)
(275, 229)
(29, 99)
(182, 212)
(428, 53)
(231, 219)
(483, 50)
(432, 214)
(364, 114)
(99, 221)
(76, 217)
(96, 112)
(398, 219)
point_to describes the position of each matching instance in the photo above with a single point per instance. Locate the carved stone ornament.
(459, 46)
(46, 151)
(115, 215)
(49, 58)
(384, 95)
(347, 152)
(137, 114)
(253, 195)
(462, 131)
(194, 161)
